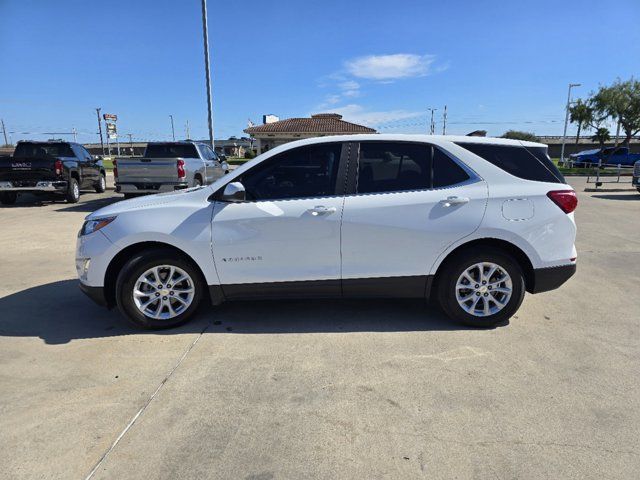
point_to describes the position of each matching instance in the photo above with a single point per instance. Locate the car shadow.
(634, 196)
(59, 313)
(90, 205)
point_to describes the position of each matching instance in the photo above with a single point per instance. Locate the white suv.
(473, 221)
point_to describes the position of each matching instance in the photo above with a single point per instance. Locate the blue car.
(610, 156)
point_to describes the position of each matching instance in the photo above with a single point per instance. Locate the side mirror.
(234, 192)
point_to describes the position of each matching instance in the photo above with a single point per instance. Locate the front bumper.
(550, 278)
(95, 293)
(39, 186)
(149, 187)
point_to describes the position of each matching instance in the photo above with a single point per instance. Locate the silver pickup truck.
(168, 166)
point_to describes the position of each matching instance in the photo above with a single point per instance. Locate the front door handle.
(321, 210)
(450, 201)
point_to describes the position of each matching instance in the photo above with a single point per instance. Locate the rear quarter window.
(528, 163)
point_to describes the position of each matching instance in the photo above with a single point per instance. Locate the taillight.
(567, 200)
(58, 167)
(181, 172)
(115, 168)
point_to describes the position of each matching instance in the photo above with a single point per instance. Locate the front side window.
(392, 167)
(302, 172)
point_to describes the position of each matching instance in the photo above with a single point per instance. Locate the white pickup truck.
(168, 166)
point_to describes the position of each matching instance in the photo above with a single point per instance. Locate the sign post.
(110, 120)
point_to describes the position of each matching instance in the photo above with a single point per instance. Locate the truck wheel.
(197, 182)
(101, 186)
(8, 198)
(159, 289)
(481, 288)
(73, 192)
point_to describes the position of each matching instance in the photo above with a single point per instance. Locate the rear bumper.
(149, 187)
(545, 279)
(39, 186)
(95, 293)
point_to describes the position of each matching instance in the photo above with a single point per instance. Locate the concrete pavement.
(340, 389)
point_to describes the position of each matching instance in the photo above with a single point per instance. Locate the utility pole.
(205, 38)
(444, 121)
(566, 120)
(100, 129)
(173, 132)
(75, 135)
(188, 132)
(432, 127)
(4, 131)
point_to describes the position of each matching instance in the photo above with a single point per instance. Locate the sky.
(496, 65)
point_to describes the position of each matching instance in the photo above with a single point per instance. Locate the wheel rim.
(76, 190)
(484, 289)
(103, 183)
(163, 292)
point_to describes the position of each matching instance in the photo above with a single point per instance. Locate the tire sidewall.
(101, 186)
(73, 194)
(137, 266)
(447, 287)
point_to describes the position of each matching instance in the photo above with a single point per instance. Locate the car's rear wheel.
(8, 198)
(481, 288)
(197, 182)
(101, 185)
(73, 192)
(159, 289)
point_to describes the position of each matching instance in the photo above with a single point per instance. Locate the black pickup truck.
(53, 167)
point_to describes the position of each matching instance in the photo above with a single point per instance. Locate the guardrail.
(611, 173)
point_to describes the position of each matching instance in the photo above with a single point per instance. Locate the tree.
(581, 113)
(517, 135)
(620, 102)
(601, 136)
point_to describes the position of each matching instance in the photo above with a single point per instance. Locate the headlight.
(94, 225)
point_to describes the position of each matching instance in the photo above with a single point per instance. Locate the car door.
(84, 166)
(408, 202)
(285, 238)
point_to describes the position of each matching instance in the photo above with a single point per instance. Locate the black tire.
(197, 182)
(101, 186)
(73, 191)
(135, 267)
(8, 198)
(127, 196)
(454, 268)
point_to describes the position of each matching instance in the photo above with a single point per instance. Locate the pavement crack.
(144, 407)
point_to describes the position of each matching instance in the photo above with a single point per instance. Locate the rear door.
(285, 238)
(407, 203)
(88, 167)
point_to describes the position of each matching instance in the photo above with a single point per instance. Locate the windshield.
(36, 150)
(171, 150)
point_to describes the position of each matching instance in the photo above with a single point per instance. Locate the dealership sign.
(110, 117)
(111, 130)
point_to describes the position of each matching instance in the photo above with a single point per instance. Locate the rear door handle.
(450, 201)
(321, 210)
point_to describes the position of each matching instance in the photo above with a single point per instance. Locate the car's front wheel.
(481, 288)
(159, 289)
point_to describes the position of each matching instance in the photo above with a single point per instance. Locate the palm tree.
(581, 113)
(601, 136)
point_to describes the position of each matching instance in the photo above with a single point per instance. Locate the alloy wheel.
(484, 289)
(163, 292)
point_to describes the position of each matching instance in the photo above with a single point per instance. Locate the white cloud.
(390, 67)
(358, 114)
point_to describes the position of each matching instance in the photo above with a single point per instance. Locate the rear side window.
(171, 150)
(528, 163)
(403, 166)
(446, 172)
(393, 167)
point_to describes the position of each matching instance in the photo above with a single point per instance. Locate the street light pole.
(173, 132)
(205, 38)
(100, 129)
(566, 120)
